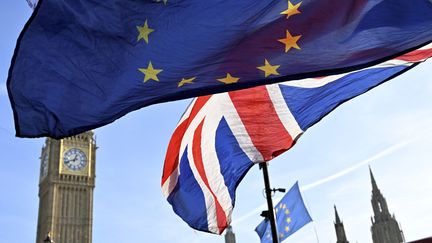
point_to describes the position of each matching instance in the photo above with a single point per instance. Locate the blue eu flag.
(82, 64)
(291, 215)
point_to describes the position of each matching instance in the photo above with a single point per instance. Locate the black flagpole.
(270, 213)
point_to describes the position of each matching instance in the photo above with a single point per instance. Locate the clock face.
(44, 166)
(75, 159)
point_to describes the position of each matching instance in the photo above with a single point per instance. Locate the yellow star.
(144, 32)
(290, 41)
(186, 81)
(281, 205)
(292, 9)
(288, 220)
(269, 69)
(287, 211)
(150, 73)
(276, 210)
(286, 228)
(284, 206)
(229, 79)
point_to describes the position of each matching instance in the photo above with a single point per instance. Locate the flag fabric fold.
(220, 137)
(291, 215)
(32, 3)
(79, 65)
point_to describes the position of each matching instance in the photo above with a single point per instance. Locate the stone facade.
(385, 228)
(67, 181)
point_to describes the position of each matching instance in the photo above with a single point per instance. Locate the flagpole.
(270, 213)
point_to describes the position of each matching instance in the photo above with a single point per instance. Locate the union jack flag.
(220, 137)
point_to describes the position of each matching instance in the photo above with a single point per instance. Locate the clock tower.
(67, 181)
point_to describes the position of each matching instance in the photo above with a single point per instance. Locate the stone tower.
(229, 235)
(67, 181)
(340, 230)
(385, 228)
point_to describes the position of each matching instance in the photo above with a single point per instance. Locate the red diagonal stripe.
(196, 151)
(173, 151)
(261, 121)
(416, 55)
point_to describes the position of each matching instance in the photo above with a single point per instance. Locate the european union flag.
(82, 64)
(291, 215)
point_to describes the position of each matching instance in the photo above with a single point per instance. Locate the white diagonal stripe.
(283, 111)
(212, 166)
(208, 197)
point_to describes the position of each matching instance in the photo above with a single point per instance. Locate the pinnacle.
(337, 215)
(374, 185)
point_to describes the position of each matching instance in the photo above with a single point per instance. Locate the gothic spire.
(340, 230)
(384, 228)
(338, 221)
(374, 185)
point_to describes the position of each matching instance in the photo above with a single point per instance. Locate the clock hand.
(74, 158)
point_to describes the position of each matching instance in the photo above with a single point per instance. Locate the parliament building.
(384, 229)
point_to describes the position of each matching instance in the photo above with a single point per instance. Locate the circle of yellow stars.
(289, 41)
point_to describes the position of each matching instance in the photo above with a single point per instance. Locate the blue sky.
(387, 128)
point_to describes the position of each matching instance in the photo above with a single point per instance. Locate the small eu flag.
(291, 215)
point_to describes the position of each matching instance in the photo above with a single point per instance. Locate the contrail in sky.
(312, 185)
(383, 153)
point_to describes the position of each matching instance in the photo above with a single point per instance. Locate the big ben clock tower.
(67, 181)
